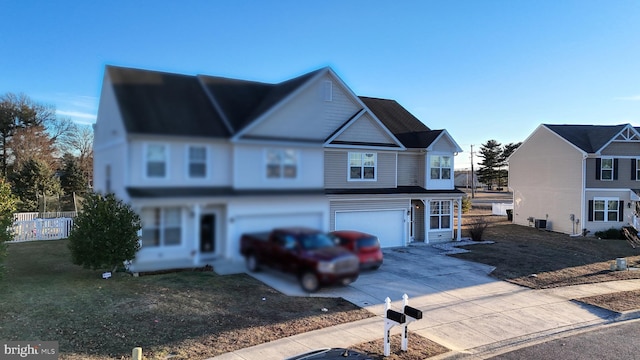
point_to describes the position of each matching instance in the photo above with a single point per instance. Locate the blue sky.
(483, 70)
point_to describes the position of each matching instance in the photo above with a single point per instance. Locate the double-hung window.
(441, 167)
(606, 169)
(282, 163)
(156, 158)
(635, 169)
(606, 209)
(197, 161)
(440, 214)
(161, 227)
(362, 166)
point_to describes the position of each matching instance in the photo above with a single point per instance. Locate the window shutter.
(598, 167)
(621, 211)
(615, 169)
(633, 169)
(590, 210)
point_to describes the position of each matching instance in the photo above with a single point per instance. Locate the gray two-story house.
(577, 177)
(204, 159)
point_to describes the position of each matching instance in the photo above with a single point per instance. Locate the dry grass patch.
(419, 348)
(620, 301)
(187, 315)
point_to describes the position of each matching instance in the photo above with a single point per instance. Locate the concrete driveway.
(464, 309)
(416, 270)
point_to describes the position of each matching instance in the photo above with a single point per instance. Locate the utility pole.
(473, 184)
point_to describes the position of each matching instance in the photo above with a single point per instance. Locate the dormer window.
(441, 167)
(362, 166)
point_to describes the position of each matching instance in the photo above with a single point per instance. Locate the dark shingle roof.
(411, 132)
(243, 101)
(160, 103)
(589, 138)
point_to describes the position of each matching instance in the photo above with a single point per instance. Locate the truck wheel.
(309, 281)
(252, 263)
(348, 281)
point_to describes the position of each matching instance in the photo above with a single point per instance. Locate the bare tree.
(79, 143)
(31, 142)
(19, 111)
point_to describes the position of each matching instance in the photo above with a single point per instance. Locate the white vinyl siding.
(336, 171)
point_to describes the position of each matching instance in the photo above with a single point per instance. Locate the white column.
(196, 243)
(459, 230)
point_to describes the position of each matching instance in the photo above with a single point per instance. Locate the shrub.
(612, 233)
(466, 204)
(477, 228)
(7, 208)
(105, 233)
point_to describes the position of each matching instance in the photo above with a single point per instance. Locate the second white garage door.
(388, 225)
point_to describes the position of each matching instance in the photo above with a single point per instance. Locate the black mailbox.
(412, 312)
(396, 316)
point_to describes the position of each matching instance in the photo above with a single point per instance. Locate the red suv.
(366, 246)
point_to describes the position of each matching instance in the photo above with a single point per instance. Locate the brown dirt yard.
(542, 259)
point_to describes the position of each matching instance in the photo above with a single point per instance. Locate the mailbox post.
(411, 314)
(391, 319)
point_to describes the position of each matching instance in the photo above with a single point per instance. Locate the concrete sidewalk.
(463, 308)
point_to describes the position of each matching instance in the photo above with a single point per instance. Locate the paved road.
(617, 341)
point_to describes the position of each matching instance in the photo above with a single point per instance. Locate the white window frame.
(362, 166)
(437, 206)
(637, 160)
(280, 163)
(440, 168)
(189, 161)
(606, 210)
(145, 168)
(602, 168)
(160, 226)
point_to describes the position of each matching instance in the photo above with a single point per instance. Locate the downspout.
(583, 195)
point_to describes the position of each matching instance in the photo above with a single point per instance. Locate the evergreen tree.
(491, 154)
(105, 233)
(72, 178)
(34, 180)
(7, 208)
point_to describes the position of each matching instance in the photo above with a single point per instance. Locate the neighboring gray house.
(577, 177)
(204, 159)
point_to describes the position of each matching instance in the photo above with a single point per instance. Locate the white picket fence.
(30, 227)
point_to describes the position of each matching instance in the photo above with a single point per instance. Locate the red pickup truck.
(307, 253)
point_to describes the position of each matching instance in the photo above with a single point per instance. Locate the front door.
(207, 233)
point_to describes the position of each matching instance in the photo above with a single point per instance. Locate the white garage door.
(258, 223)
(388, 225)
